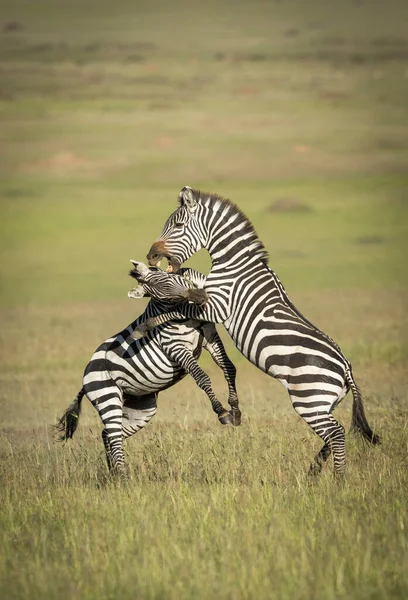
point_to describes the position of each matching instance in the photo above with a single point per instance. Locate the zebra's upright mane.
(213, 200)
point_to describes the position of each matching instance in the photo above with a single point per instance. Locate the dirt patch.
(288, 205)
(301, 149)
(164, 143)
(335, 95)
(61, 162)
(65, 159)
(246, 90)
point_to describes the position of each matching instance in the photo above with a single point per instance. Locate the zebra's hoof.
(313, 474)
(119, 477)
(236, 417)
(225, 418)
(340, 477)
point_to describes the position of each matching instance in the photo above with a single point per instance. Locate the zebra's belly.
(138, 376)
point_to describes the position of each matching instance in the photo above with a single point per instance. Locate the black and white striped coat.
(124, 376)
(247, 297)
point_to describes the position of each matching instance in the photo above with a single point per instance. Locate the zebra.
(247, 297)
(124, 376)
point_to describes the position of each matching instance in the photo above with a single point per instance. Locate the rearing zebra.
(124, 376)
(247, 297)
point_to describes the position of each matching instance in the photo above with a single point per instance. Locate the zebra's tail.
(359, 423)
(68, 423)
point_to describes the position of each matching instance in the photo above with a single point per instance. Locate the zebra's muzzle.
(157, 252)
(136, 293)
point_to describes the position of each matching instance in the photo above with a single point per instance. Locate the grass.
(206, 514)
(295, 111)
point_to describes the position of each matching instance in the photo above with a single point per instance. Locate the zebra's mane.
(210, 200)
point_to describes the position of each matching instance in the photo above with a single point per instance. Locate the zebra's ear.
(187, 198)
(140, 267)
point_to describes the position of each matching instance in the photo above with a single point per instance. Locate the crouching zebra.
(124, 376)
(247, 297)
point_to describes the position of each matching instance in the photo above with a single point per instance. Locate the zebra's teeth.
(169, 269)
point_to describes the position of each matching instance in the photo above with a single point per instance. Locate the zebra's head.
(181, 236)
(207, 221)
(164, 286)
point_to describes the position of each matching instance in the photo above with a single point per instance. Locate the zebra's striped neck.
(230, 234)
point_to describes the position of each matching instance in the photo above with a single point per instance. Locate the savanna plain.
(297, 112)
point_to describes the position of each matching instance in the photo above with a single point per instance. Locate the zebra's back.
(140, 367)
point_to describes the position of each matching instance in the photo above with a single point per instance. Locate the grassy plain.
(297, 112)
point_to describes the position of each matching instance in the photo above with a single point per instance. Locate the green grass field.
(297, 112)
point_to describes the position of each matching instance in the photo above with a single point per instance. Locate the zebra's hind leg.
(315, 411)
(107, 399)
(319, 460)
(333, 435)
(106, 444)
(137, 412)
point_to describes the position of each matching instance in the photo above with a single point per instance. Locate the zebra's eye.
(178, 225)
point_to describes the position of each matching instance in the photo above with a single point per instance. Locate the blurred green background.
(294, 110)
(297, 111)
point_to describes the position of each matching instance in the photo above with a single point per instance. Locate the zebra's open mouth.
(159, 251)
(173, 264)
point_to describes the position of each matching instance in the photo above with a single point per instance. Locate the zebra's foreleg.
(214, 345)
(186, 359)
